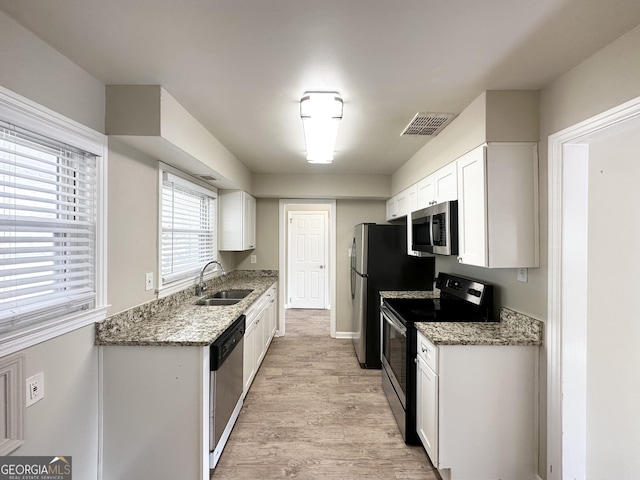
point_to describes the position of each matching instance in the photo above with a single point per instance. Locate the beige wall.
(133, 226)
(495, 116)
(348, 214)
(266, 249)
(33, 69)
(319, 185)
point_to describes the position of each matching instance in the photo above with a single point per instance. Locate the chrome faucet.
(202, 286)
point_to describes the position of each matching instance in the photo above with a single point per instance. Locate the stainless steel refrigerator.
(379, 261)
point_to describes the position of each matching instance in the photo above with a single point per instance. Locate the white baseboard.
(344, 335)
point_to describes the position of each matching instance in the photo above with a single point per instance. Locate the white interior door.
(307, 259)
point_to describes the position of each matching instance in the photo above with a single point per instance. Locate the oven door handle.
(388, 317)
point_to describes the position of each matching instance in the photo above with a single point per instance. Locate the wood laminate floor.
(313, 413)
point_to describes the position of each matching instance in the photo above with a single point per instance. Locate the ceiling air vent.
(209, 178)
(428, 124)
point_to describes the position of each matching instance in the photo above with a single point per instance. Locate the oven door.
(394, 353)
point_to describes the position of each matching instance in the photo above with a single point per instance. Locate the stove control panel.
(472, 291)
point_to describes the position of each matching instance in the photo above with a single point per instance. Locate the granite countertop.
(410, 294)
(177, 321)
(513, 329)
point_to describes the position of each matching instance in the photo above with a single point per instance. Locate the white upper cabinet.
(401, 204)
(498, 206)
(237, 221)
(440, 186)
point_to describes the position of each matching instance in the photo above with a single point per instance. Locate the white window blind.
(188, 228)
(48, 215)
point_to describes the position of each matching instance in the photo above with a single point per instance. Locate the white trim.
(20, 339)
(575, 134)
(12, 369)
(100, 462)
(282, 255)
(345, 335)
(21, 111)
(205, 393)
(187, 181)
(25, 113)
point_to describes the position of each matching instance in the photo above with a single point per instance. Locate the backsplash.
(522, 323)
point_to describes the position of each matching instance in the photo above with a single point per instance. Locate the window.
(51, 224)
(188, 234)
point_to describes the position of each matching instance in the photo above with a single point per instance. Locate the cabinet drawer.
(428, 352)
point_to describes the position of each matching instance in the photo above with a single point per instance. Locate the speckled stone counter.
(410, 294)
(513, 329)
(176, 320)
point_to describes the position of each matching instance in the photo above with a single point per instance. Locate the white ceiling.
(241, 66)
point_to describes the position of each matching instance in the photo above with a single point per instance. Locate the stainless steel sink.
(235, 294)
(224, 297)
(212, 302)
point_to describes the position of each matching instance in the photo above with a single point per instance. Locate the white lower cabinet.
(260, 328)
(427, 407)
(476, 410)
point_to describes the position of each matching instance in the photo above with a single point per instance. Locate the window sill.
(16, 341)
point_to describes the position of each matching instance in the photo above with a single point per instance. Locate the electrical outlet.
(35, 388)
(148, 281)
(254, 259)
(523, 275)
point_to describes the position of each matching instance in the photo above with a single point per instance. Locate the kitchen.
(604, 77)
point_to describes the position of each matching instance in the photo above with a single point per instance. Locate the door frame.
(283, 248)
(325, 277)
(566, 344)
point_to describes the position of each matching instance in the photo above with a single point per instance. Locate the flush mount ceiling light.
(320, 112)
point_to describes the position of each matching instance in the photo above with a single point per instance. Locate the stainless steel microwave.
(434, 230)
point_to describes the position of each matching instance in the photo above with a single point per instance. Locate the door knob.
(321, 266)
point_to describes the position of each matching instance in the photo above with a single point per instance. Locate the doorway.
(592, 334)
(307, 259)
(307, 243)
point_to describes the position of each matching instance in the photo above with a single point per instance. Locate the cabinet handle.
(424, 350)
(459, 259)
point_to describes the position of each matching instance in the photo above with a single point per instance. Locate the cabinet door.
(425, 192)
(392, 209)
(249, 359)
(259, 338)
(445, 183)
(472, 208)
(427, 409)
(412, 195)
(273, 316)
(249, 230)
(402, 200)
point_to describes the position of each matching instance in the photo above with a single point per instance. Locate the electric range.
(460, 300)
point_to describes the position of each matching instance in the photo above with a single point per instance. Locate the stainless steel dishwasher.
(225, 399)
